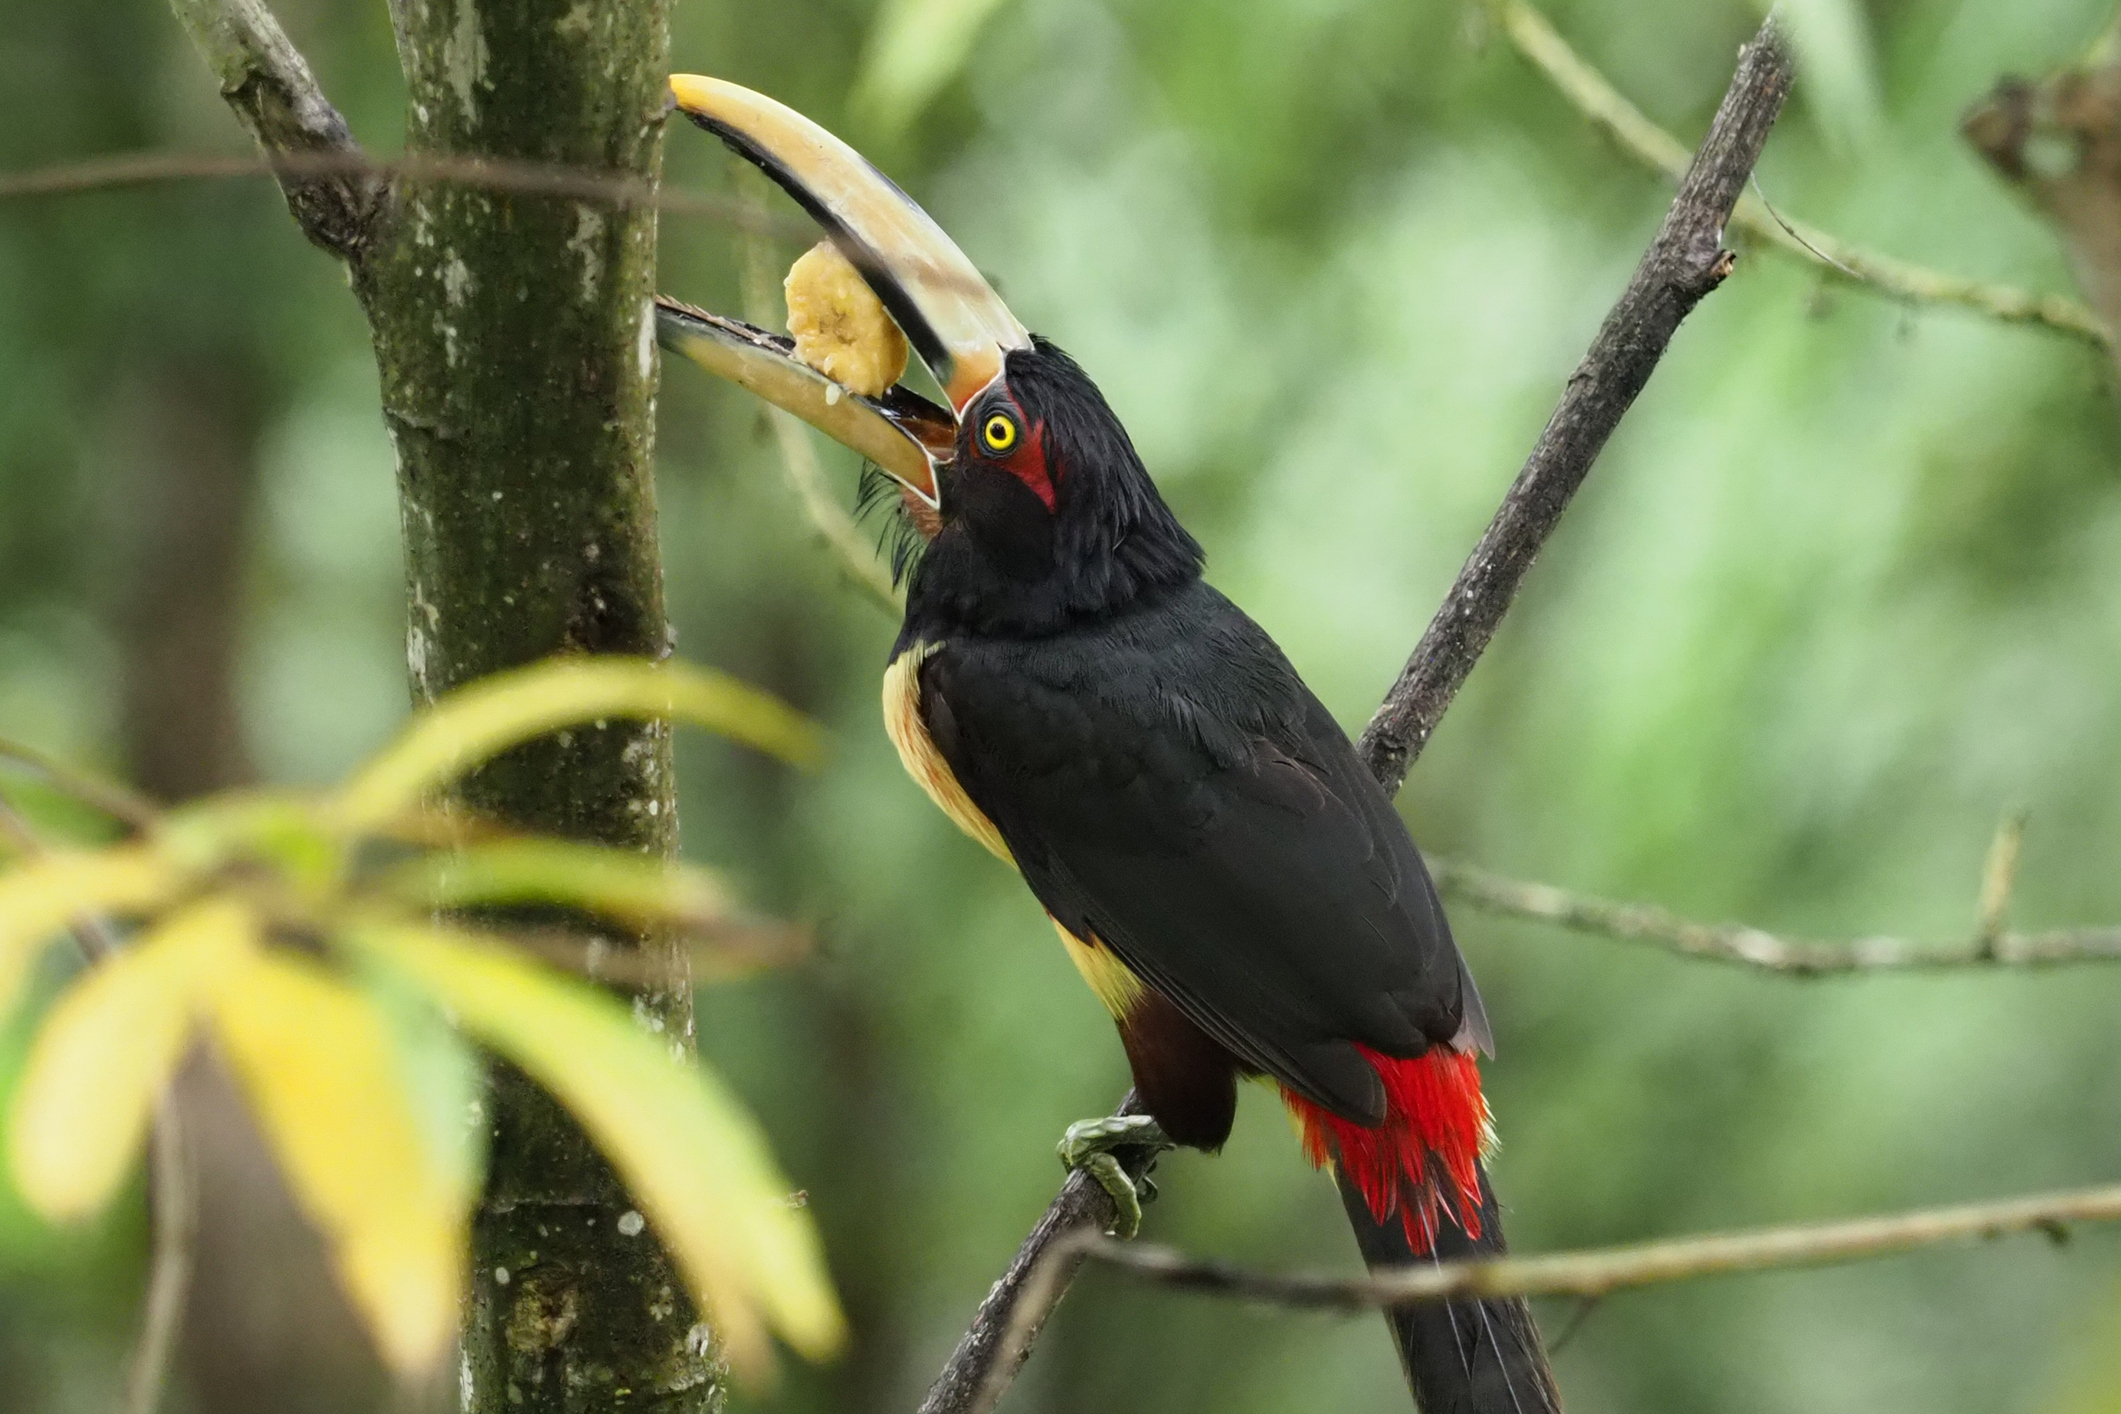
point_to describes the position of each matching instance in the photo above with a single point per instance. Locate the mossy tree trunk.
(515, 337)
(514, 333)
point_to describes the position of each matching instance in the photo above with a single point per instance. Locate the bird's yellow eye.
(998, 432)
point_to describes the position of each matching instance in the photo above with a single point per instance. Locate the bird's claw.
(1093, 1145)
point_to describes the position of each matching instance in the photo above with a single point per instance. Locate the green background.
(1841, 593)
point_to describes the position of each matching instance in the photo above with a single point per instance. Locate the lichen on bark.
(514, 336)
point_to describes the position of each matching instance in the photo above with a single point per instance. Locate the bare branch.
(175, 1218)
(1755, 947)
(270, 86)
(1595, 97)
(1683, 264)
(997, 1343)
(1597, 1272)
(610, 188)
(121, 804)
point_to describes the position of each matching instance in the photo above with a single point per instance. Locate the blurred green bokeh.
(1841, 593)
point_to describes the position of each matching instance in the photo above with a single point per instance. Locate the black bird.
(1232, 883)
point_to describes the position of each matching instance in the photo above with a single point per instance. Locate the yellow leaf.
(685, 1147)
(614, 883)
(316, 1058)
(106, 1051)
(39, 896)
(477, 722)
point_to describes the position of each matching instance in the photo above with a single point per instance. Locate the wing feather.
(1168, 785)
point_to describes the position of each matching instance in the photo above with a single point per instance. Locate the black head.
(1049, 518)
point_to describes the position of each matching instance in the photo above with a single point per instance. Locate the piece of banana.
(839, 325)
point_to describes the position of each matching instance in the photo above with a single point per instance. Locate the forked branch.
(269, 85)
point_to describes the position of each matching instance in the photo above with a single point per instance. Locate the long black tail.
(1461, 1357)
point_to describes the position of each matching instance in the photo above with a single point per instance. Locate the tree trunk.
(516, 346)
(515, 335)
(515, 338)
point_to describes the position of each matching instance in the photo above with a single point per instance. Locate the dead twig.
(1756, 947)
(1593, 95)
(135, 169)
(1596, 1273)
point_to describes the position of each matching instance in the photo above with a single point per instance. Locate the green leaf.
(280, 829)
(917, 47)
(686, 1149)
(487, 717)
(38, 897)
(319, 1062)
(105, 1053)
(614, 883)
(441, 1075)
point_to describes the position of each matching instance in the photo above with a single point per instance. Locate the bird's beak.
(949, 313)
(902, 432)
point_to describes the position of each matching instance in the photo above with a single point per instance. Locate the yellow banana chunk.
(839, 325)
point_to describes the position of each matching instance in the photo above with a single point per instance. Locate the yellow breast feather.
(916, 750)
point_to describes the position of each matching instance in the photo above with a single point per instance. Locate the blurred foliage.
(1839, 595)
(368, 1100)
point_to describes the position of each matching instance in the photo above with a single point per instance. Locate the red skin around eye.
(1028, 465)
(1027, 460)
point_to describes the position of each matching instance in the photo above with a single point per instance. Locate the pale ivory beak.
(949, 313)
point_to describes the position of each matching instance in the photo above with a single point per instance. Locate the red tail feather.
(1424, 1159)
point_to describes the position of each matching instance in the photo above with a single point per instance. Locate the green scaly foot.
(1094, 1146)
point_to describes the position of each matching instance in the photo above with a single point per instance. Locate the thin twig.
(267, 82)
(1682, 265)
(838, 529)
(132, 169)
(1595, 1273)
(1594, 96)
(135, 812)
(1756, 947)
(175, 1215)
(1588, 1274)
(721, 953)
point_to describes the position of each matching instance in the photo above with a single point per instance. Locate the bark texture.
(515, 337)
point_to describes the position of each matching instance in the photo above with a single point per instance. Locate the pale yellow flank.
(840, 326)
(916, 749)
(1108, 977)
(1118, 988)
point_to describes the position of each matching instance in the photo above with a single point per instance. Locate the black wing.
(1169, 785)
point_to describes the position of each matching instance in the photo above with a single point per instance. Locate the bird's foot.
(1095, 1146)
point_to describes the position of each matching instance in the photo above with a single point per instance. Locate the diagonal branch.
(1684, 263)
(1595, 1273)
(1755, 947)
(270, 86)
(1606, 107)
